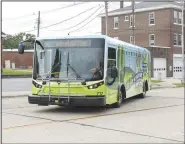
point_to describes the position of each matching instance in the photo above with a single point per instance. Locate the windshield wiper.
(69, 65)
(58, 64)
(49, 72)
(78, 76)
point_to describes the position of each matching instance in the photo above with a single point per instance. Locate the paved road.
(16, 84)
(159, 118)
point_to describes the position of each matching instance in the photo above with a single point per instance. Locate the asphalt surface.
(24, 84)
(16, 84)
(158, 118)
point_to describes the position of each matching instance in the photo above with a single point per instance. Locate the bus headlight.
(36, 84)
(96, 85)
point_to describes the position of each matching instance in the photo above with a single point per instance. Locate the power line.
(63, 20)
(86, 23)
(68, 18)
(78, 30)
(44, 12)
(15, 18)
(48, 11)
(79, 22)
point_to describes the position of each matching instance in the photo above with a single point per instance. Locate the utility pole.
(121, 4)
(133, 20)
(38, 24)
(106, 18)
(183, 63)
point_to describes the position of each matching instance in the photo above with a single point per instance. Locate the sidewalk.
(15, 94)
(15, 76)
(166, 83)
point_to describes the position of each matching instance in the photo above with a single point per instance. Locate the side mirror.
(21, 47)
(114, 72)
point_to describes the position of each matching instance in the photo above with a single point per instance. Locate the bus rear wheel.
(143, 94)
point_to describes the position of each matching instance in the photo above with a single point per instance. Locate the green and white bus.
(88, 71)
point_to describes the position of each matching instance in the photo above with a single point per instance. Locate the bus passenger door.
(111, 83)
(120, 64)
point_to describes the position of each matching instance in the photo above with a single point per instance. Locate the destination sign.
(68, 43)
(74, 43)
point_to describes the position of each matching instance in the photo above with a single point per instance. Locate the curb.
(4, 97)
(15, 94)
(159, 86)
(162, 87)
(16, 76)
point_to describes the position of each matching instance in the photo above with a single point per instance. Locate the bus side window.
(111, 57)
(111, 53)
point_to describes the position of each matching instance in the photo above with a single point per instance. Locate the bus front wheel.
(120, 99)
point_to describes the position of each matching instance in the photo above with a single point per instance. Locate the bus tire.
(121, 96)
(143, 94)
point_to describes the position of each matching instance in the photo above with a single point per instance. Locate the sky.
(21, 16)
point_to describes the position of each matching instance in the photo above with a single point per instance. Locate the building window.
(151, 18)
(151, 39)
(180, 18)
(126, 18)
(116, 22)
(132, 41)
(179, 39)
(131, 20)
(175, 17)
(175, 39)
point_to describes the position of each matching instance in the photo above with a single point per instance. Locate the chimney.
(121, 4)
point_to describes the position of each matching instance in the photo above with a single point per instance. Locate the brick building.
(12, 59)
(157, 27)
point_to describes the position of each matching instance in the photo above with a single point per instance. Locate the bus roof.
(110, 40)
(72, 37)
(114, 41)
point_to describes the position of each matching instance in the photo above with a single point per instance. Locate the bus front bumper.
(63, 100)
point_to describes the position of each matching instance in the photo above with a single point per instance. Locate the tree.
(12, 41)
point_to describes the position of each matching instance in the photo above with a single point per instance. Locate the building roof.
(145, 6)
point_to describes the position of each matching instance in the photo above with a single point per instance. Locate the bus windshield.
(61, 59)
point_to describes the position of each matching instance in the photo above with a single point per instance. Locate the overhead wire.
(43, 12)
(68, 18)
(62, 20)
(80, 30)
(56, 9)
(86, 23)
(89, 16)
